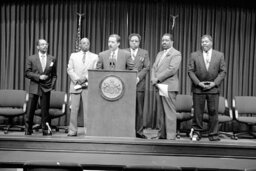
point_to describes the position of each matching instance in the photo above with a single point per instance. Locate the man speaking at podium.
(115, 58)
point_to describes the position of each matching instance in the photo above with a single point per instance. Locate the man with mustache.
(165, 72)
(41, 70)
(206, 69)
(115, 58)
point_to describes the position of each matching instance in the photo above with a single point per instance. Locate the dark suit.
(142, 65)
(39, 88)
(166, 72)
(198, 73)
(123, 62)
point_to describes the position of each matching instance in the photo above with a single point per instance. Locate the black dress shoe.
(28, 132)
(214, 138)
(46, 133)
(141, 136)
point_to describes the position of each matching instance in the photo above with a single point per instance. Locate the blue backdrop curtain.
(231, 23)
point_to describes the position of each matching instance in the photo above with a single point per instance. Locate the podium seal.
(111, 88)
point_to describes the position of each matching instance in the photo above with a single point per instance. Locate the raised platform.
(16, 148)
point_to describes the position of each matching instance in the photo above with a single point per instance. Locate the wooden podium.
(111, 103)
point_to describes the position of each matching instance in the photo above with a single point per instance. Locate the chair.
(51, 166)
(224, 115)
(152, 168)
(245, 112)
(13, 103)
(184, 109)
(58, 105)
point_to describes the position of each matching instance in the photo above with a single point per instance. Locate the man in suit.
(41, 70)
(164, 73)
(206, 70)
(142, 65)
(115, 58)
(78, 66)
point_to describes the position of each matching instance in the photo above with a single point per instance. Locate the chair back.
(184, 103)
(245, 104)
(13, 98)
(58, 99)
(51, 166)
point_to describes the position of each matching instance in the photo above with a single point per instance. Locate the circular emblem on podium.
(112, 88)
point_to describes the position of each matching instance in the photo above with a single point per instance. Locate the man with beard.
(165, 73)
(206, 70)
(115, 58)
(41, 70)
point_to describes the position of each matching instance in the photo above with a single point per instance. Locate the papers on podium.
(163, 89)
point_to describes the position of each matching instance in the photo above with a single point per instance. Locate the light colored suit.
(77, 70)
(166, 72)
(123, 62)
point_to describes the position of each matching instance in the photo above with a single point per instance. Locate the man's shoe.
(47, 133)
(72, 134)
(214, 138)
(141, 136)
(28, 132)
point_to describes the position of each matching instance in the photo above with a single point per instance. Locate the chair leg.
(178, 130)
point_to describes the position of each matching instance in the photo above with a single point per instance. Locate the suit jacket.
(33, 70)
(142, 65)
(166, 71)
(197, 71)
(77, 69)
(124, 60)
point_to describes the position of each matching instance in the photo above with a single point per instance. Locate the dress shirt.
(207, 58)
(43, 60)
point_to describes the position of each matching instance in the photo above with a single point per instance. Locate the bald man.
(78, 66)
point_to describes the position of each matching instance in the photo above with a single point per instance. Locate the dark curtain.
(231, 24)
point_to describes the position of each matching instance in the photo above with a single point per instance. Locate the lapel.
(158, 58)
(201, 60)
(48, 62)
(213, 59)
(167, 56)
(108, 53)
(38, 63)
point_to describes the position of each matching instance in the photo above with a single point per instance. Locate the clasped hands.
(206, 85)
(81, 81)
(43, 77)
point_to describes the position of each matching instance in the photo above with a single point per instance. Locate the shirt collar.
(40, 54)
(209, 52)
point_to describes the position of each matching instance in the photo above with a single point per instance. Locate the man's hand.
(43, 77)
(210, 85)
(154, 81)
(137, 80)
(206, 85)
(81, 80)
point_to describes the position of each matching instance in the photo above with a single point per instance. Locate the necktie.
(133, 54)
(207, 60)
(84, 57)
(112, 60)
(43, 62)
(162, 57)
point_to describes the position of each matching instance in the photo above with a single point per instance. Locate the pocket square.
(51, 64)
